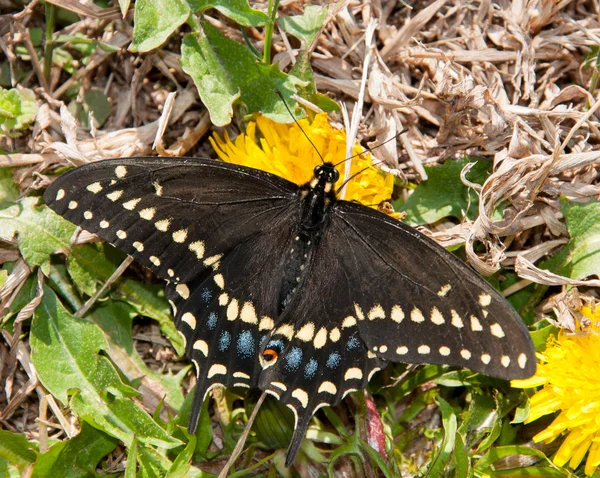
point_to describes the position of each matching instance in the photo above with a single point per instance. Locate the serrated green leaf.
(65, 352)
(580, 257)
(77, 457)
(443, 194)
(39, 231)
(155, 21)
(306, 26)
(238, 10)
(224, 71)
(16, 450)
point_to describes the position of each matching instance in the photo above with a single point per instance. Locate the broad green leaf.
(580, 257)
(77, 457)
(224, 71)
(155, 21)
(443, 194)
(306, 26)
(238, 10)
(16, 450)
(115, 319)
(216, 90)
(65, 352)
(39, 231)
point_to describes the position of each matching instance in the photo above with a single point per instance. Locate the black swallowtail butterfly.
(285, 287)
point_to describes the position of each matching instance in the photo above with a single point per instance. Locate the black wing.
(175, 216)
(321, 354)
(418, 303)
(213, 230)
(377, 291)
(226, 313)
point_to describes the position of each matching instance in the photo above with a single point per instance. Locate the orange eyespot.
(269, 355)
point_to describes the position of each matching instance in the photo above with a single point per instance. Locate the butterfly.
(287, 288)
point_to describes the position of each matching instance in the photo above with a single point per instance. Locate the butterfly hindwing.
(321, 356)
(418, 303)
(226, 314)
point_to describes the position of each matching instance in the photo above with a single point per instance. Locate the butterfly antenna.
(278, 93)
(368, 150)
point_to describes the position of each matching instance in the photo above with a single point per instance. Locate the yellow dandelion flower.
(284, 150)
(568, 372)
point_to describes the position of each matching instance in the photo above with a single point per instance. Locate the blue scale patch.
(353, 343)
(206, 295)
(245, 344)
(293, 359)
(334, 360)
(224, 341)
(211, 323)
(311, 368)
(275, 345)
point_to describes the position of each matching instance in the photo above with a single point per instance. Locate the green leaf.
(16, 450)
(9, 191)
(17, 110)
(155, 21)
(182, 464)
(65, 352)
(238, 10)
(39, 231)
(97, 103)
(202, 63)
(443, 194)
(152, 464)
(115, 319)
(124, 6)
(485, 464)
(224, 71)
(80, 39)
(580, 257)
(449, 422)
(306, 26)
(77, 457)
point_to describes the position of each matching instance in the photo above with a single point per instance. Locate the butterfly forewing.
(418, 303)
(174, 216)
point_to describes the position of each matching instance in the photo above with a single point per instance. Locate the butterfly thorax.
(317, 196)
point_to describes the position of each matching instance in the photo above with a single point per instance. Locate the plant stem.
(50, 11)
(273, 6)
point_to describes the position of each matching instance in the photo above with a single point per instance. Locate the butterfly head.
(324, 177)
